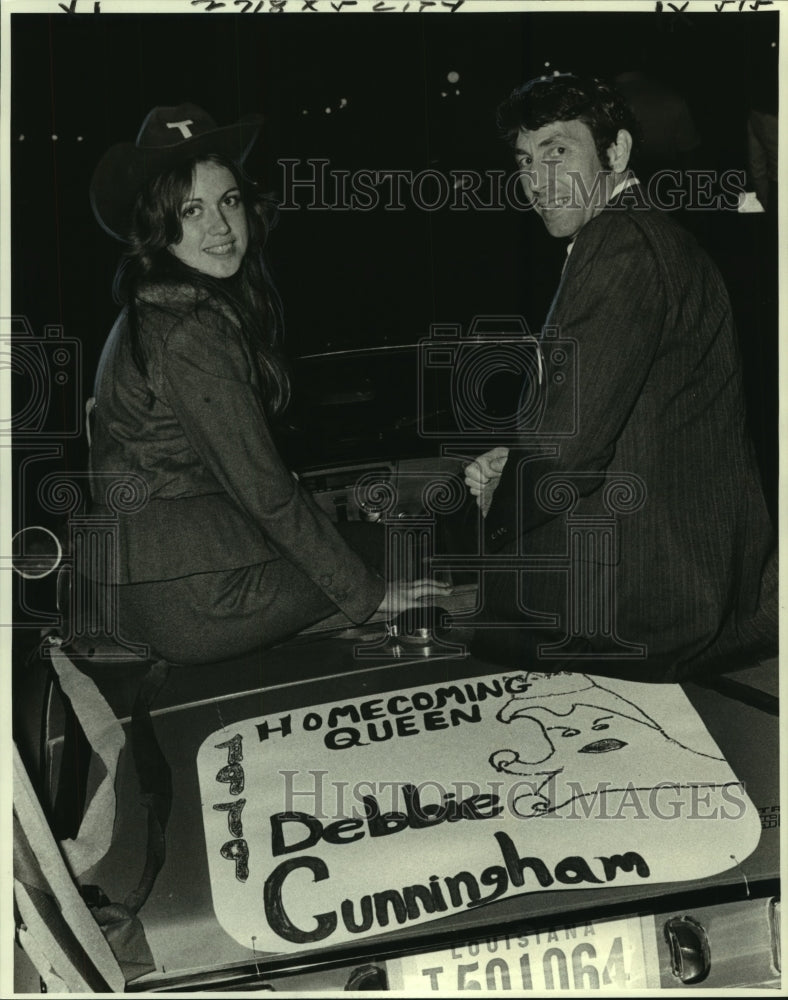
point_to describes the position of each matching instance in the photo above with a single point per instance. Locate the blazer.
(193, 439)
(643, 420)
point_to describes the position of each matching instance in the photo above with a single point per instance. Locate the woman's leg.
(216, 616)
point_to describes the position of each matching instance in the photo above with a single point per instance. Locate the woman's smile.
(222, 249)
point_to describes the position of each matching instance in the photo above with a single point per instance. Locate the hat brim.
(125, 167)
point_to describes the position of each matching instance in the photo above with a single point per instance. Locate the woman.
(227, 552)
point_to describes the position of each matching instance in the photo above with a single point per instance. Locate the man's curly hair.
(568, 98)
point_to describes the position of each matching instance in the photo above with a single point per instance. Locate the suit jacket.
(646, 425)
(193, 438)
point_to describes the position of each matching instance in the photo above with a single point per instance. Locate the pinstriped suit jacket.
(653, 403)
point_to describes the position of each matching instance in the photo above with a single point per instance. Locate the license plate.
(601, 955)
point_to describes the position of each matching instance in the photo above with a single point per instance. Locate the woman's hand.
(401, 595)
(483, 474)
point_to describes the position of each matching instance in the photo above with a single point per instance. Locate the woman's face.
(215, 233)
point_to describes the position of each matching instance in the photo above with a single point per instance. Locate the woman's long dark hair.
(250, 294)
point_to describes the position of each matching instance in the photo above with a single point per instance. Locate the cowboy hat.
(168, 135)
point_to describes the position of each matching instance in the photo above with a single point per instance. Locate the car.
(197, 743)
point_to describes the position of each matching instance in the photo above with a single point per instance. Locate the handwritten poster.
(342, 821)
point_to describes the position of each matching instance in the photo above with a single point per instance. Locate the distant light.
(343, 103)
(457, 92)
(79, 138)
(304, 112)
(328, 111)
(453, 77)
(547, 65)
(556, 73)
(443, 93)
(21, 138)
(54, 138)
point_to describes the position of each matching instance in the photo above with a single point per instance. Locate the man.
(634, 515)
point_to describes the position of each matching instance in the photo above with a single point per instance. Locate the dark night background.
(355, 278)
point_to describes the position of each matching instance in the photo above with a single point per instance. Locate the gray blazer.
(195, 433)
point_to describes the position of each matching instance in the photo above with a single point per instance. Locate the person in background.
(227, 551)
(669, 137)
(762, 132)
(762, 127)
(687, 580)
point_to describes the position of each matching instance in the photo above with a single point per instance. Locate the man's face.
(562, 176)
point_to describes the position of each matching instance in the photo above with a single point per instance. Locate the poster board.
(342, 821)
